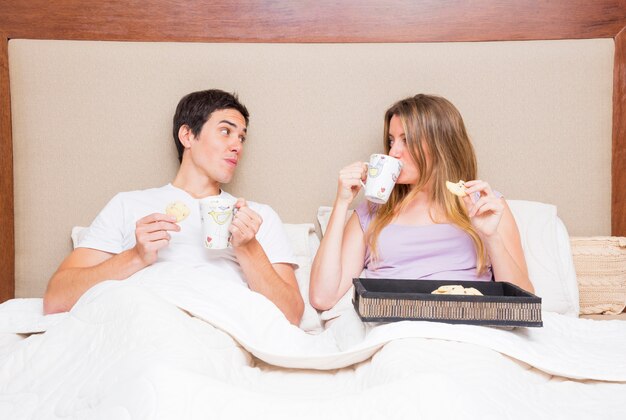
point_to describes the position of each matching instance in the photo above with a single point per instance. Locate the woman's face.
(399, 149)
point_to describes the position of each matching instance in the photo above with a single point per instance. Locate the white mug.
(382, 173)
(217, 215)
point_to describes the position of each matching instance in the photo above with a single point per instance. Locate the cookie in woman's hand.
(457, 189)
(178, 209)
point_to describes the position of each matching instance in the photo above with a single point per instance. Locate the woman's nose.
(395, 151)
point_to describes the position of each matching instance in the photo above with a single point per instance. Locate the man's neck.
(196, 185)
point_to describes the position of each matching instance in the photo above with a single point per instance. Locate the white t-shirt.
(113, 231)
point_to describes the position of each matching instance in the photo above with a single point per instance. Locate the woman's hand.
(350, 179)
(486, 213)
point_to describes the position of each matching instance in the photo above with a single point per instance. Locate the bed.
(88, 115)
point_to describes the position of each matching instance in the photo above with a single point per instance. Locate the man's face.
(216, 151)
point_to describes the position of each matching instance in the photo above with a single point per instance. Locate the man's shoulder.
(144, 193)
(265, 211)
(138, 202)
(260, 208)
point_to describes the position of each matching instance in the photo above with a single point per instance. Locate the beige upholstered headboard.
(94, 118)
(509, 109)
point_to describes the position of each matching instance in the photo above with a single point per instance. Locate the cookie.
(178, 209)
(472, 291)
(456, 290)
(457, 189)
(449, 290)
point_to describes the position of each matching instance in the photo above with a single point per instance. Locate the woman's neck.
(419, 211)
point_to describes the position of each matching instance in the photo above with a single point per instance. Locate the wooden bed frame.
(325, 21)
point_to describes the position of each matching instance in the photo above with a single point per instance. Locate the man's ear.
(185, 136)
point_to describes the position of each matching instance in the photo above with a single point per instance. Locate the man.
(132, 232)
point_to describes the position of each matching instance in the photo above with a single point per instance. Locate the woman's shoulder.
(366, 208)
(365, 211)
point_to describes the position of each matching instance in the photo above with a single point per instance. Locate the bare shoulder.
(353, 225)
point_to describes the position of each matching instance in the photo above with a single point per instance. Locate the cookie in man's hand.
(178, 209)
(457, 189)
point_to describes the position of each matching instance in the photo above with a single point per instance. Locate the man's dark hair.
(196, 108)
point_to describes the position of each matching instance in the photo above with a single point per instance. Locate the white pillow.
(323, 216)
(547, 251)
(548, 255)
(304, 242)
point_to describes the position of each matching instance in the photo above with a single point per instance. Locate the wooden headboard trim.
(305, 22)
(7, 232)
(618, 156)
(313, 21)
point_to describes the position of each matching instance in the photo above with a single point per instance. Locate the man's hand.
(245, 225)
(151, 234)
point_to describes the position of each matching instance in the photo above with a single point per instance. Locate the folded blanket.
(557, 348)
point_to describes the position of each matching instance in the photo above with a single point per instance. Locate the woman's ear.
(185, 136)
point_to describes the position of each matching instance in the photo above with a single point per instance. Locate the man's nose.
(236, 146)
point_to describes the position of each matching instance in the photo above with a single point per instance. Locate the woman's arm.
(506, 254)
(492, 218)
(338, 260)
(341, 253)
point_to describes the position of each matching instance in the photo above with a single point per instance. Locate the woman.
(423, 231)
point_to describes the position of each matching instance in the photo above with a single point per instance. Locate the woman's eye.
(242, 139)
(390, 142)
(225, 131)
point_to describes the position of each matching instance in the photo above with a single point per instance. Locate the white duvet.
(128, 351)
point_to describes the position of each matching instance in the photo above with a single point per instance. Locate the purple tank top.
(431, 252)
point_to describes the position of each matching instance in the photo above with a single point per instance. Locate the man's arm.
(81, 270)
(277, 282)
(86, 267)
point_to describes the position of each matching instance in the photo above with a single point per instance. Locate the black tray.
(502, 304)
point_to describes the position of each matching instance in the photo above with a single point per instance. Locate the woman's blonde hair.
(433, 127)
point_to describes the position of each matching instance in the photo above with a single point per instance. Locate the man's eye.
(242, 139)
(225, 131)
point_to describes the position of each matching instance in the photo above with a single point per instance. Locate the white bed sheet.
(134, 354)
